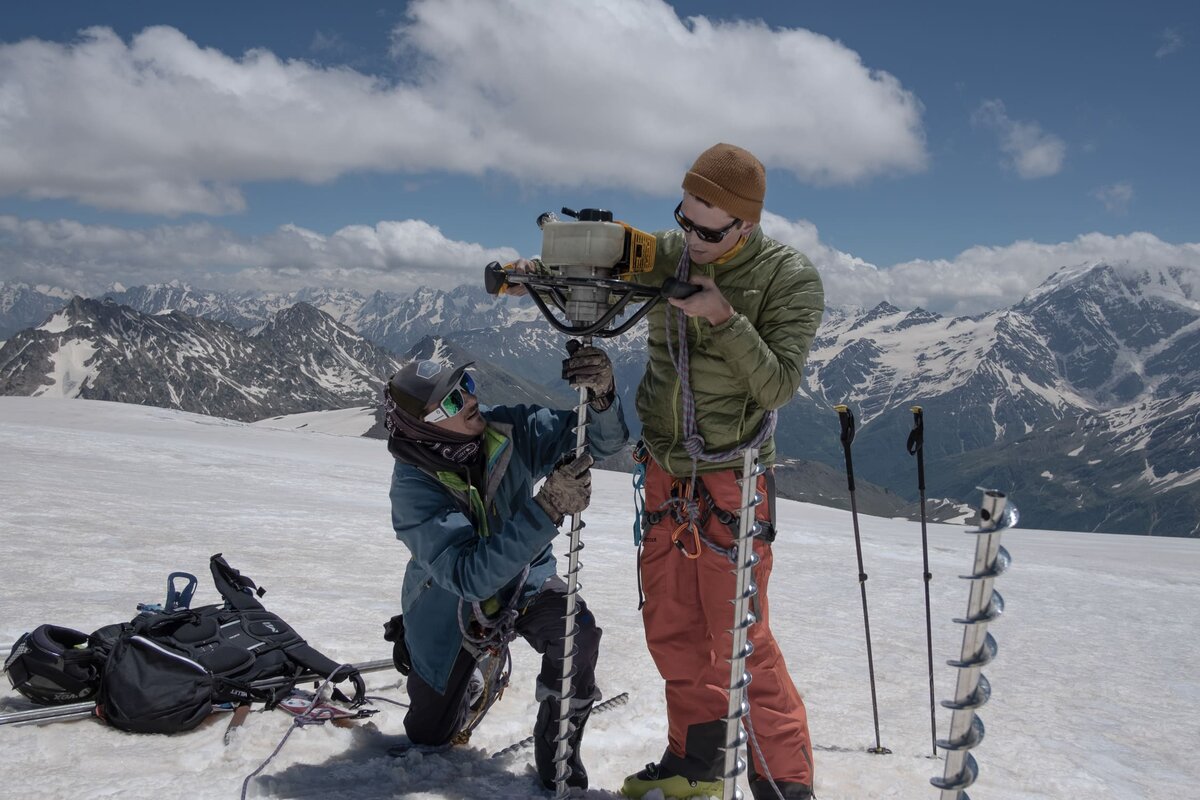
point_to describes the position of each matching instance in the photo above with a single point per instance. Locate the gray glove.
(591, 368)
(567, 490)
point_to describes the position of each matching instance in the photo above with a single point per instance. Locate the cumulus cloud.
(978, 279)
(620, 94)
(1032, 152)
(391, 255)
(1171, 41)
(1116, 198)
(401, 255)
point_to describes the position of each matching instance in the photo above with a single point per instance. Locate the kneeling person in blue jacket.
(481, 569)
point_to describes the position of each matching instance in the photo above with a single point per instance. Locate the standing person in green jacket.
(720, 363)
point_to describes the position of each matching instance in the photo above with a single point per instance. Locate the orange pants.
(688, 614)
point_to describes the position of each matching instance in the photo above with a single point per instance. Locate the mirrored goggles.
(454, 401)
(706, 234)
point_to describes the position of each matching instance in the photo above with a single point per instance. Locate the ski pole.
(566, 690)
(916, 446)
(847, 419)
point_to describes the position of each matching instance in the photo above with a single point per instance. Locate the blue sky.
(949, 155)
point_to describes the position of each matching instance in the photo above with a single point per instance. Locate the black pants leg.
(434, 718)
(542, 626)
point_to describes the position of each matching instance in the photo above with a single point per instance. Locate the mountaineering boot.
(545, 732)
(579, 776)
(761, 789)
(696, 773)
(658, 776)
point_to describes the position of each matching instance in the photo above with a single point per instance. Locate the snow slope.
(1092, 689)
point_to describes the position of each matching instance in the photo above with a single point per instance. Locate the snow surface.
(70, 369)
(342, 421)
(57, 323)
(1093, 689)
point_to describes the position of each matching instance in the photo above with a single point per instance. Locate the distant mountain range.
(299, 360)
(1081, 400)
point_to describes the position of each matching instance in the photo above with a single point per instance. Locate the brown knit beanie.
(731, 179)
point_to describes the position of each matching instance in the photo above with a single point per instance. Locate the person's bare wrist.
(722, 316)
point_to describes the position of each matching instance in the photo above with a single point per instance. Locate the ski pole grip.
(677, 289)
(846, 416)
(916, 439)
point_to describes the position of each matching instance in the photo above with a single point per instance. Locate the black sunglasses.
(705, 234)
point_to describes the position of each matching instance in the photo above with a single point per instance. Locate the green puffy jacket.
(741, 368)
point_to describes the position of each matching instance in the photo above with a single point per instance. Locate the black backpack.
(164, 672)
(52, 665)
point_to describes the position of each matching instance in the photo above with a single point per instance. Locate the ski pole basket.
(972, 689)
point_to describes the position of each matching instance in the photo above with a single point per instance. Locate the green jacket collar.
(748, 253)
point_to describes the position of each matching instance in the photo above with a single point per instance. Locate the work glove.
(591, 368)
(567, 490)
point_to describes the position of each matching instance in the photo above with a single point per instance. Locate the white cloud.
(401, 255)
(1032, 152)
(978, 279)
(393, 256)
(1172, 41)
(1116, 198)
(619, 94)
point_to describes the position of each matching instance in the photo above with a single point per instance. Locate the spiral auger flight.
(984, 605)
(571, 627)
(743, 618)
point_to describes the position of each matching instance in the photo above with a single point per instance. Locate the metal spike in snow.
(984, 605)
(70, 711)
(743, 618)
(587, 266)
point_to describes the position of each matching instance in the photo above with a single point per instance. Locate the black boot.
(545, 732)
(579, 776)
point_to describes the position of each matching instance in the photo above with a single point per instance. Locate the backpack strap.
(313, 660)
(241, 593)
(238, 590)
